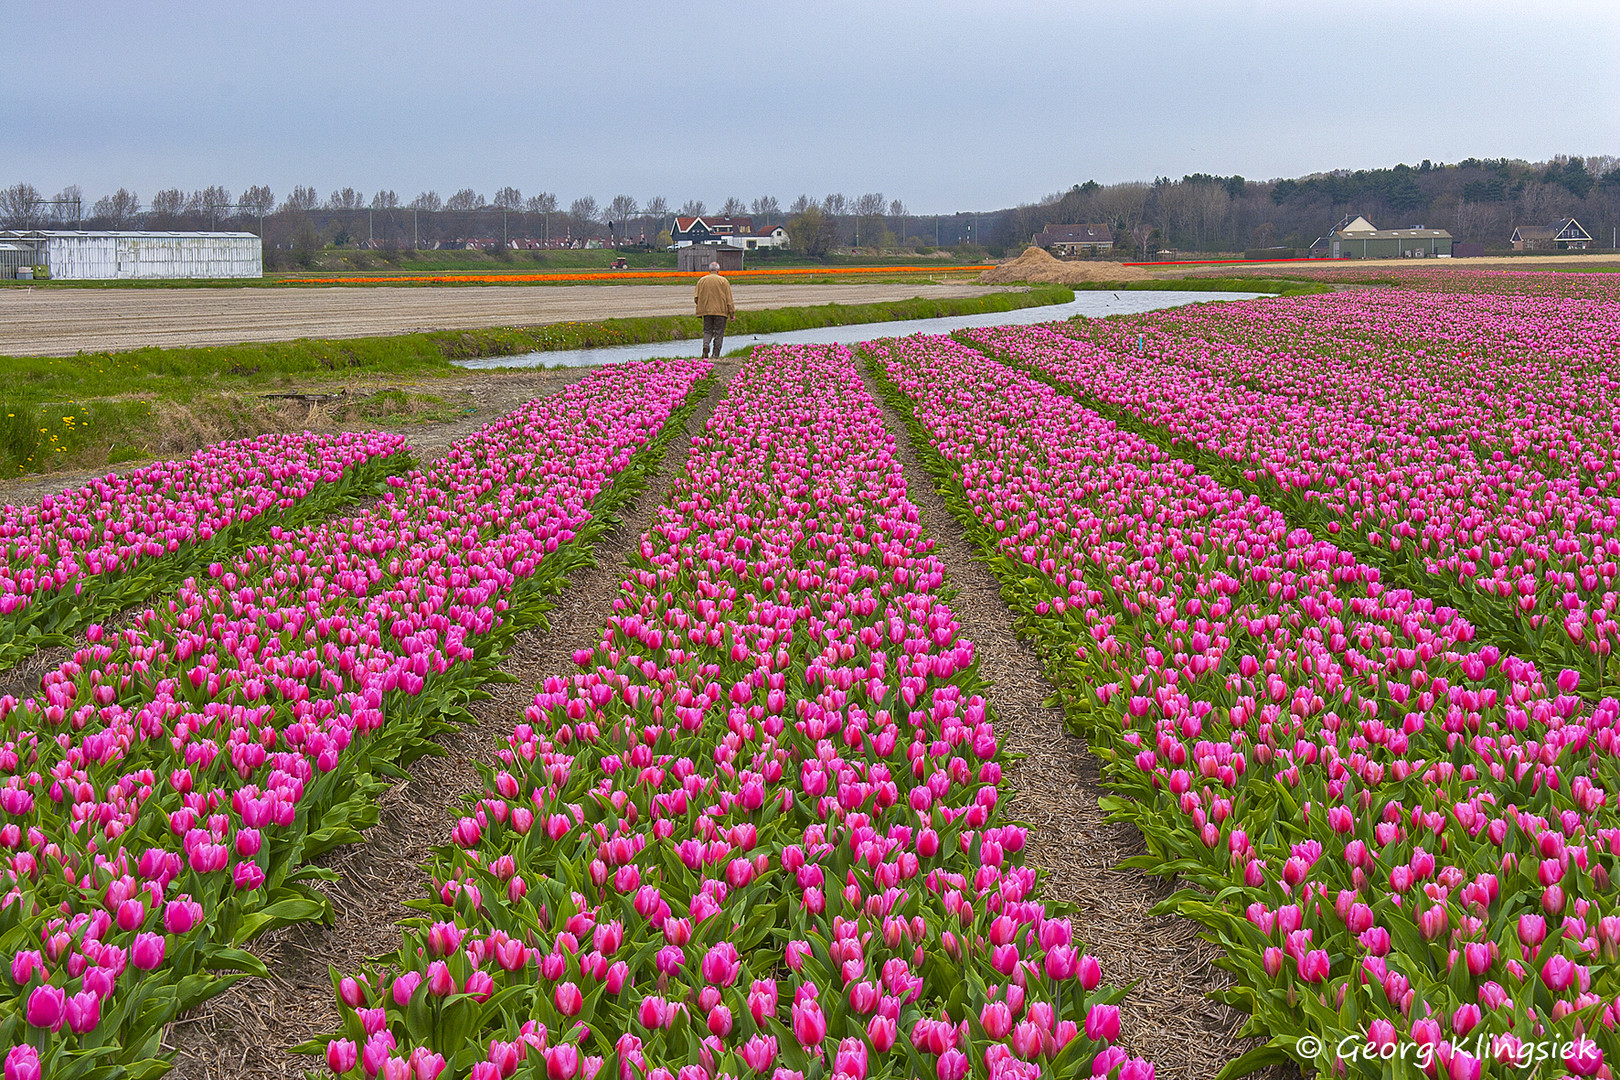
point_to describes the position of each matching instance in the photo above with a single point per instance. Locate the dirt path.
(63, 321)
(244, 1032)
(1167, 1017)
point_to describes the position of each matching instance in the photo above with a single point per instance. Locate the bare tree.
(1210, 204)
(766, 207)
(385, 200)
(544, 204)
(21, 206)
(734, 207)
(258, 199)
(619, 212)
(1121, 205)
(346, 199)
(508, 198)
(465, 199)
(801, 204)
(214, 201)
(1540, 203)
(897, 209)
(68, 204)
(584, 212)
(1141, 234)
(168, 204)
(427, 200)
(835, 205)
(868, 208)
(692, 208)
(657, 207)
(302, 198)
(1176, 209)
(118, 209)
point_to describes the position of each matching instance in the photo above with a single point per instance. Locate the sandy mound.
(1035, 265)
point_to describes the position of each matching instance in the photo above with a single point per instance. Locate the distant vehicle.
(619, 264)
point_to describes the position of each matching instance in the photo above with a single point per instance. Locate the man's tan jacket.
(714, 296)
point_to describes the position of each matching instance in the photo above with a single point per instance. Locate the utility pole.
(77, 216)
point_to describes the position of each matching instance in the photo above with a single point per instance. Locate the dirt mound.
(1035, 265)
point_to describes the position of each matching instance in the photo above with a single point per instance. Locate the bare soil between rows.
(1167, 1017)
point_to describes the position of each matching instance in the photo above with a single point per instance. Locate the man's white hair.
(714, 266)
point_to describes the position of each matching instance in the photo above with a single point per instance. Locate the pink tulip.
(341, 1055)
(809, 1025)
(22, 1063)
(47, 1007)
(882, 1031)
(83, 1011)
(147, 951)
(1102, 1023)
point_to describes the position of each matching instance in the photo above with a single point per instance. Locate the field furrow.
(757, 829)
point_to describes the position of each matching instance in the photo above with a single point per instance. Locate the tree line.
(1480, 200)
(1476, 199)
(347, 216)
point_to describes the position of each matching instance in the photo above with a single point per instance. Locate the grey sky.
(948, 106)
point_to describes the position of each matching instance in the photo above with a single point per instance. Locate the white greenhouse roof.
(127, 234)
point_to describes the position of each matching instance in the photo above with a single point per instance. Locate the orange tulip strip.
(624, 275)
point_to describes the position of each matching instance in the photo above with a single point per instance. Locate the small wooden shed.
(699, 256)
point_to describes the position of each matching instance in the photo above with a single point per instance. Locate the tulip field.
(1464, 444)
(756, 832)
(88, 553)
(1327, 583)
(166, 793)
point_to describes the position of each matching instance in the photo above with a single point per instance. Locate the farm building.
(1565, 234)
(1357, 238)
(699, 256)
(1063, 240)
(73, 255)
(749, 239)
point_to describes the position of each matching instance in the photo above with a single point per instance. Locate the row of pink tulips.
(1483, 475)
(163, 796)
(1402, 835)
(1436, 278)
(88, 552)
(757, 832)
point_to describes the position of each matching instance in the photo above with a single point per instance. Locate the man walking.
(714, 303)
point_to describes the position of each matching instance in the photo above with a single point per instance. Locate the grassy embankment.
(98, 409)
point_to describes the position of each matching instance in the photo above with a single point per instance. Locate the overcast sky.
(948, 106)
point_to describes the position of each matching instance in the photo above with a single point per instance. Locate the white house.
(775, 236)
